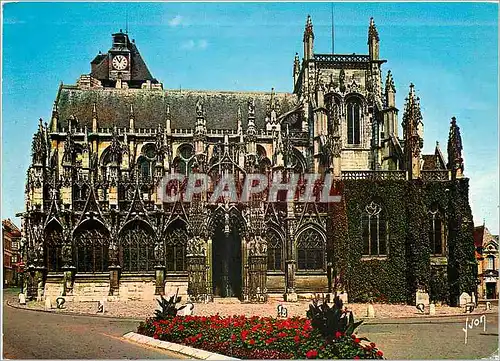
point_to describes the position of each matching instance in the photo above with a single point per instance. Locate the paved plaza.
(99, 337)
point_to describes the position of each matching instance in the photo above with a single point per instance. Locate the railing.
(435, 175)
(374, 174)
(342, 58)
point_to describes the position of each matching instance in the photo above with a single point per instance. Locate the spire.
(373, 41)
(94, 118)
(372, 31)
(132, 119)
(455, 160)
(390, 91)
(308, 39)
(412, 132)
(168, 126)
(238, 120)
(308, 31)
(296, 68)
(55, 118)
(251, 117)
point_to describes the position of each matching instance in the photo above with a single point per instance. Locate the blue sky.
(449, 50)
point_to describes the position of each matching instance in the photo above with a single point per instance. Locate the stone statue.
(257, 246)
(251, 107)
(199, 108)
(159, 252)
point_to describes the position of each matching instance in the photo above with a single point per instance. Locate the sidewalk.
(145, 309)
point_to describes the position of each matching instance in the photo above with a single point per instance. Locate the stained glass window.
(92, 246)
(310, 250)
(274, 251)
(374, 232)
(137, 249)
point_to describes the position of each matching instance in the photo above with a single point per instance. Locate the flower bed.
(258, 337)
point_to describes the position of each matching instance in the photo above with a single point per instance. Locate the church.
(97, 227)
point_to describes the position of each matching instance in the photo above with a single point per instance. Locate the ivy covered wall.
(395, 277)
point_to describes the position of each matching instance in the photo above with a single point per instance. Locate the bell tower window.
(353, 122)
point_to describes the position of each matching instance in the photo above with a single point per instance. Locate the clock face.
(119, 62)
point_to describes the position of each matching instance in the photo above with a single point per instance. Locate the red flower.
(356, 357)
(356, 340)
(380, 353)
(282, 334)
(296, 339)
(155, 335)
(180, 328)
(251, 342)
(311, 354)
(233, 337)
(244, 334)
(338, 334)
(353, 336)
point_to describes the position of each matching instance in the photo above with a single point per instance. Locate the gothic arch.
(53, 243)
(136, 247)
(374, 228)
(310, 246)
(175, 242)
(437, 230)
(218, 219)
(299, 163)
(91, 246)
(354, 104)
(275, 249)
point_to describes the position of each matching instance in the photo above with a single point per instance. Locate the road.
(38, 335)
(433, 338)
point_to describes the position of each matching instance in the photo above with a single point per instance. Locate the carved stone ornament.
(195, 247)
(159, 252)
(257, 246)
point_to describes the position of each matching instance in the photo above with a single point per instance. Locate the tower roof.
(121, 43)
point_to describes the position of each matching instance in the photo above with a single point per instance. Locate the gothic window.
(436, 231)
(175, 248)
(274, 251)
(310, 250)
(53, 249)
(91, 248)
(354, 109)
(491, 263)
(137, 249)
(146, 161)
(184, 159)
(374, 227)
(298, 162)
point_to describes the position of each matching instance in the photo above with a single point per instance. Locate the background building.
(487, 258)
(11, 236)
(96, 225)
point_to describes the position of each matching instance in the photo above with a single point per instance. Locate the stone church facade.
(96, 225)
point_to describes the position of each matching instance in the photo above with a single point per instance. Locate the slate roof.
(434, 161)
(139, 70)
(113, 107)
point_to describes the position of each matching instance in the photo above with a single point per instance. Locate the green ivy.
(395, 278)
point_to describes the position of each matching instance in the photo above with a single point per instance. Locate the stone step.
(226, 300)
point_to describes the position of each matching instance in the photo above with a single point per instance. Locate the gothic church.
(97, 228)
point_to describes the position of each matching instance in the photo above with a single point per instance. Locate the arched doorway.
(228, 227)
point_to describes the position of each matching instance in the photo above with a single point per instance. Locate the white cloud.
(484, 198)
(202, 44)
(194, 45)
(188, 45)
(175, 21)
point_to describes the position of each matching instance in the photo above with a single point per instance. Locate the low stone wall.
(95, 289)
(137, 288)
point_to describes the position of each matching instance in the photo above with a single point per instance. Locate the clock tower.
(119, 58)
